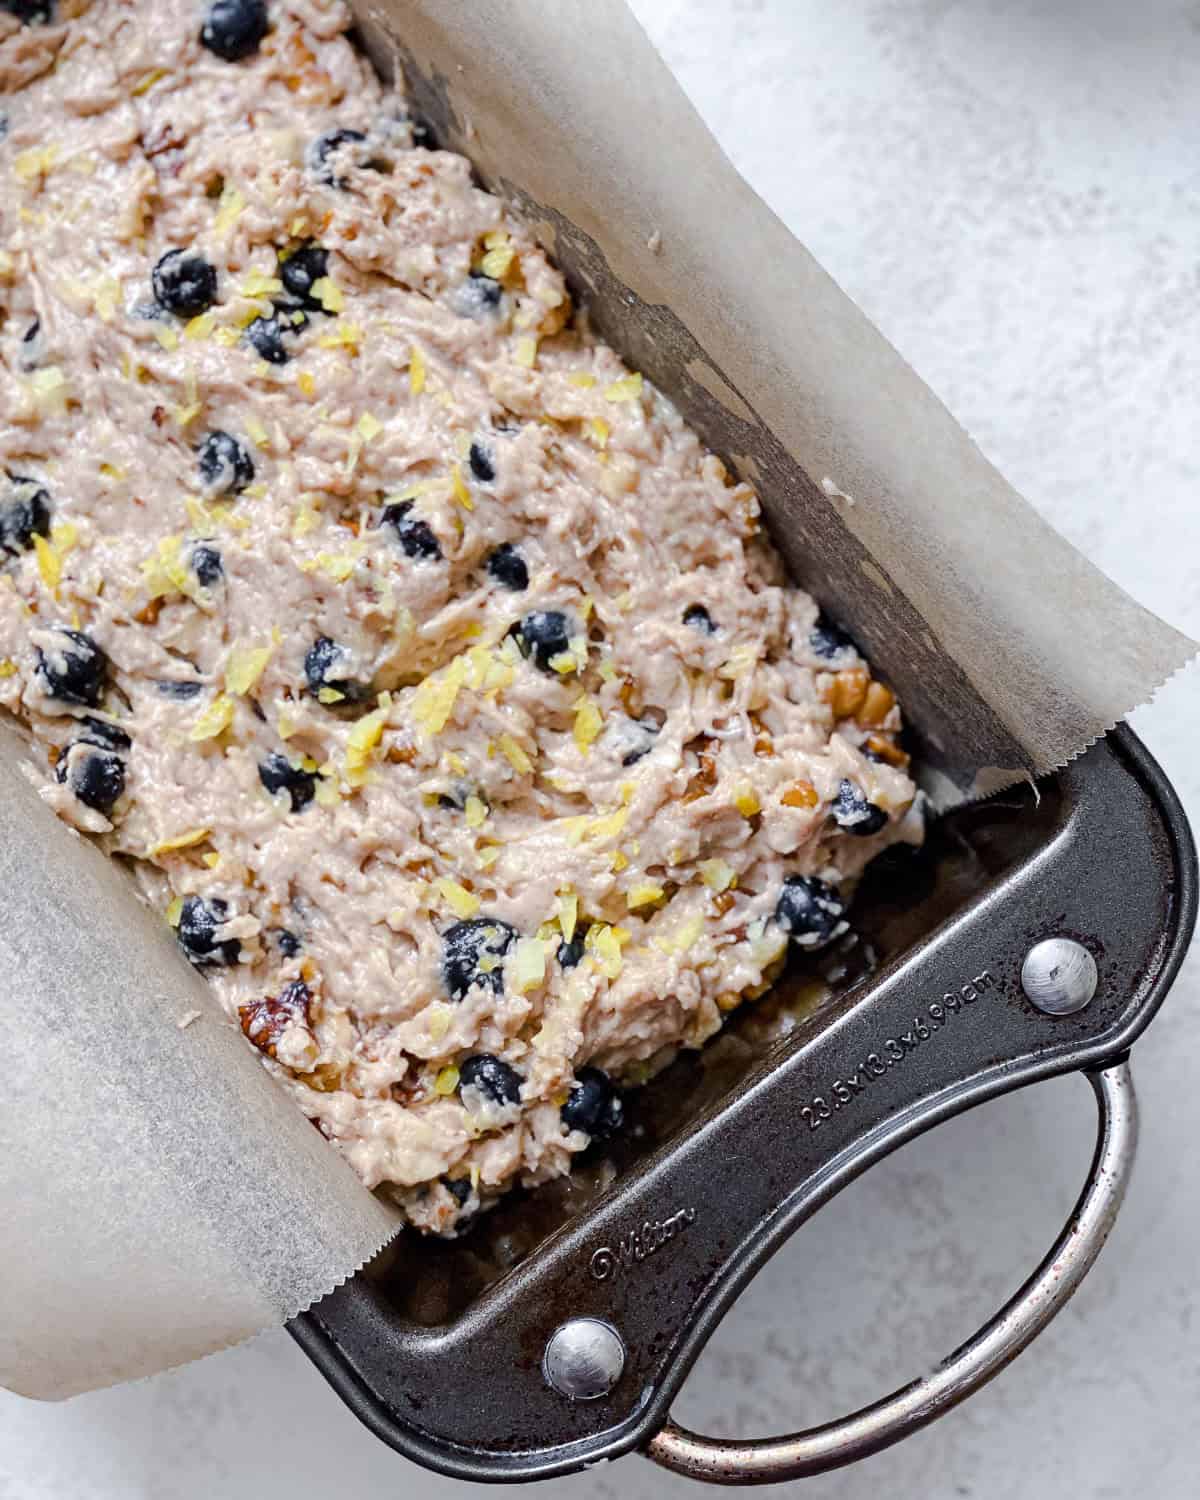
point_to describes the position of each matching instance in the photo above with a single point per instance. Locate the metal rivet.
(584, 1359)
(1059, 976)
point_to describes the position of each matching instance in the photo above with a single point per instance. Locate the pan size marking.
(936, 1015)
(633, 1248)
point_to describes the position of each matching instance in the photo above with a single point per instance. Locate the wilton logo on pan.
(634, 1247)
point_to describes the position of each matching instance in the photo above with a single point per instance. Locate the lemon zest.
(435, 696)
(497, 261)
(628, 388)
(260, 284)
(416, 370)
(49, 563)
(228, 210)
(244, 666)
(180, 841)
(745, 799)
(528, 967)
(515, 755)
(589, 721)
(459, 489)
(462, 902)
(328, 294)
(716, 874)
(446, 1081)
(147, 81)
(604, 945)
(215, 719)
(362, 741)
(345, 335)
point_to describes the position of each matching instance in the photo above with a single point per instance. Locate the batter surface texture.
(438, 686)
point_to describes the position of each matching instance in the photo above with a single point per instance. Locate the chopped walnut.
(266, 1021)
(705, 779)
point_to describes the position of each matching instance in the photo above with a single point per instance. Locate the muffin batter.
(437, 684)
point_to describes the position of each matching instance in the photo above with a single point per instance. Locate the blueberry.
(483, 464)
(301, 270)
(543, 634)
(854, 813)
(593, 1105)
(422, 131)
(265, 337)
(74, 669)
(639, 736)
(473, 954)
(570, 954)
(205, 562)
(233, 28)
(24, 514)
(699, 618)
(182, 692)
(225, 465)
(278, 774)
(827, 641)
(97, 778)
(33, 346)
(459, 1188)
(332, 143)
(495, 1080)
(324, 659)
(184, 284)
(478, 296)
(415, 536)
(287, 942)
(100, 732)
(198, 923)
(507, 567)
(809, 911)
(97, 775)
(30, 12)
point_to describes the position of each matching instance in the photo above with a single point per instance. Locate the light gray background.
(1011, 189)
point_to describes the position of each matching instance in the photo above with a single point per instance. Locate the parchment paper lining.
(1009, 650)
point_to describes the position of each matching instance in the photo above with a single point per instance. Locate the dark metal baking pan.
(732, 1148)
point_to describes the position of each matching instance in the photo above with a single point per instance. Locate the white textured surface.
(1011, 189)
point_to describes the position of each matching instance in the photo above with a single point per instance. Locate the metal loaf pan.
(734, 1147)
(441, 1347)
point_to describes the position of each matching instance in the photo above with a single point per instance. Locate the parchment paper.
(160, 1198)
(1009, 651)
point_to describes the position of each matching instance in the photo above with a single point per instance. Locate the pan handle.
(1017, 1324)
